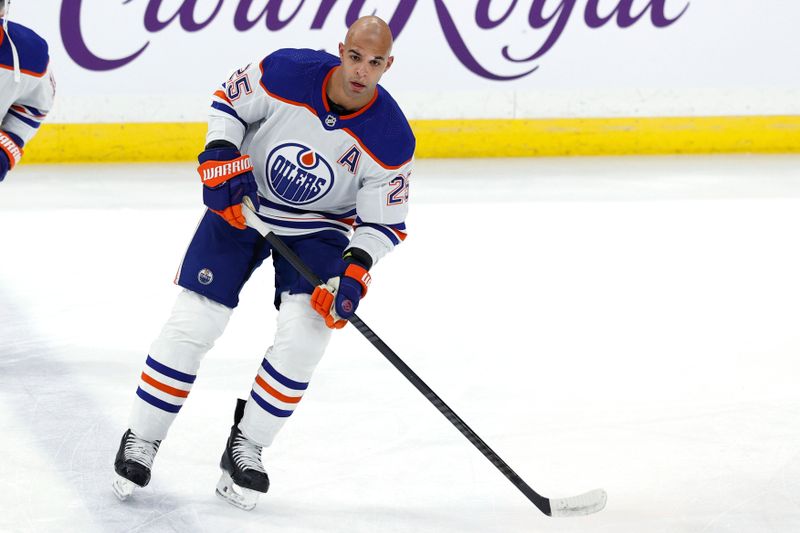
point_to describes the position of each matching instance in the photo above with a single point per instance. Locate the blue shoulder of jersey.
(31, 49)
(385, 131)
(294, 74)
(297, 75)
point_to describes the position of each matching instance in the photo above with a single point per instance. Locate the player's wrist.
(218, 154)
(220, 143)
(358, 256)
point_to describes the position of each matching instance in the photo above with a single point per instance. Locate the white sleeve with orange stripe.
(30, 108)
(381, 209)
(238, 103)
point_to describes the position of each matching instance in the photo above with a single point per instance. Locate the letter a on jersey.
(350, 159)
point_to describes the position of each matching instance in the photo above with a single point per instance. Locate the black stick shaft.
(538, 500)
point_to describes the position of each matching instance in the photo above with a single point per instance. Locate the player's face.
(363, 63)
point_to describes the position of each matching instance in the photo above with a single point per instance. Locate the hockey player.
(27, 88)
(325, 154)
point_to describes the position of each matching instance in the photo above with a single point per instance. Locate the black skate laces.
(246, 454)
(140, 451)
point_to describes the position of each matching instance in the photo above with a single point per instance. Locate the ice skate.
(133, 463)
(243, 476)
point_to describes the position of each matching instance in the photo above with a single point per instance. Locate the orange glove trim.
(233, 216)
(359, 274)
(12, 149)
(322, 302)
(213, 173)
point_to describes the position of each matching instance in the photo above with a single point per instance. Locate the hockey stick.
(583, 504)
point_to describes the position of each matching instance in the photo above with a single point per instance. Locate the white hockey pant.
(191, 331)
(300, 340)
(171, 367)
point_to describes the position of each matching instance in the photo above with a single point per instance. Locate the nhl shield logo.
(297, 174)
(330, 120)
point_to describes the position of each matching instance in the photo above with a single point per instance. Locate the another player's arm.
(22, 121)
(227, 175)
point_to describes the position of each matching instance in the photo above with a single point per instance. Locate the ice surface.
(631, 324)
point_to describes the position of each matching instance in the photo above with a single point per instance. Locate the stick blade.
(580, 505)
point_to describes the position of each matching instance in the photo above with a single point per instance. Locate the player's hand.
(227, 178)
(338, 300)
(5, 165)
(10, 152)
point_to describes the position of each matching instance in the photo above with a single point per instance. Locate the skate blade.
(123, 487)
(235, 495)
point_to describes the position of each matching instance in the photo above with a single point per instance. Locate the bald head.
(371, 32)
(366, 54)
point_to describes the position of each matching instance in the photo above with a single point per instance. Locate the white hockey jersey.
(317, 170)
(25, 103)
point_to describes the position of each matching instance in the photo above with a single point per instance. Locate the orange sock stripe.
(164, 388)
(276, 394)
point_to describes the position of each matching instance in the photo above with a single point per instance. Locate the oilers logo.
(205, 276)
(297, 174)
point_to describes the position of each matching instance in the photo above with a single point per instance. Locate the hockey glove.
(227, 178)
(338, 300)
(10, 152)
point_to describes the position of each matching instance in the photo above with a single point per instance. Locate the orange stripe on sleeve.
(23, 71)
(292, 102)
(223, 96)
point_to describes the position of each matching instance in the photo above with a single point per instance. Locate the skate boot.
(243, 476)
(133, 463)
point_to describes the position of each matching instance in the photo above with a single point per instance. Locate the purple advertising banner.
(547, 17)
(160, 59)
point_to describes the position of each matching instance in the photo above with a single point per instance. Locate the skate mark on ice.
(45, 396)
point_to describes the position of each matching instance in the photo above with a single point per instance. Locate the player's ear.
(341, 51)
(389, 62)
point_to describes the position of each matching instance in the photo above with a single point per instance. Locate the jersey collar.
(351, 115)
